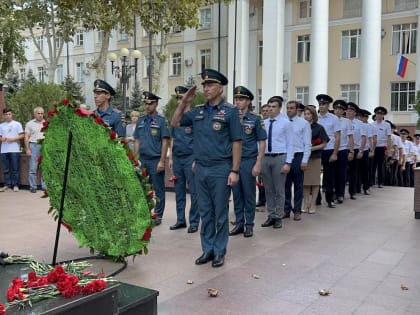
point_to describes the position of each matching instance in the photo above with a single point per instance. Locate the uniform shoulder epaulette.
(229, 105)
(142, 115)
(116, 110)
(200, 105)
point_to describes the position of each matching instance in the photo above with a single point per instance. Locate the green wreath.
(108, 196)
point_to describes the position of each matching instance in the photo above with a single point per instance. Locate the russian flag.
(402, 63)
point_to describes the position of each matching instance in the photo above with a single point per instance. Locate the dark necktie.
(270, 134)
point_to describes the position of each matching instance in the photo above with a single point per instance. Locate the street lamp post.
(124, 71)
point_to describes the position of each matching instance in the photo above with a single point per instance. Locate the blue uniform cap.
(340, 104)
(241, 91)
(180, 91)
(103, 86)
(381, 110)
(213, 76)
(324, 98)
(150, 97)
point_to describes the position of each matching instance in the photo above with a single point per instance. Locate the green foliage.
(32, 95)
(136, 101)
(30, 78)
(11, 83)
(105, 204)
(172, 104)
(73, 89)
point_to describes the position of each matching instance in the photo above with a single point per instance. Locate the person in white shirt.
(11, 132)
(410, 156)
(366, 162)
(417, 147)
(332, 127)
(277, 160)
(383, 133)
(302, 136)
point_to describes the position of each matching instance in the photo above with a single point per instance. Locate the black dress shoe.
(353, 197)
(157, 221)
(192, 229)
(331, 204)
(286, 216)
(366, 192)
(218, 261)
(238, 229)
(340, 199)
(204, 259)
(277, 224)
(260, 204)
(268, 222)
(248, 232)
(177, 226)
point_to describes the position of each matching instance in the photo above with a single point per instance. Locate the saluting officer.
(151, 142)
(181, 161)
(217, 157)
(253, 147)
(102, 94)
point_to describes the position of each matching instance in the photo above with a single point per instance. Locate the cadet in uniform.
(102, 94)
(345, 151)
(181, 161)
(217, 157)
(253, 146)
(383, 133)
(151, 142)
(332, 127)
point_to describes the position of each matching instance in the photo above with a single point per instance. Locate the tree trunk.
(100, 63)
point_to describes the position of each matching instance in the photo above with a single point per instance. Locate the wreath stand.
(60, 218)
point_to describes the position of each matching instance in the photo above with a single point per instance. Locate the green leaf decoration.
(108, 195)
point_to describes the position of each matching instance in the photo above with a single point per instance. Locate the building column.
(238, 67)
(370, 56)
(418, 49)
(318, 82)
(273, 51)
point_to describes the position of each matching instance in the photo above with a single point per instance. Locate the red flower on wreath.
(143, 172)
(44, 125)
(151, 194)
(153, 215)
(112, 135)
(136, 163)
(83, 112)
(131, 156)
(2, 309)
(98, 120)
(53, 112)
(147, 234)
(68, 227)
(66, 102)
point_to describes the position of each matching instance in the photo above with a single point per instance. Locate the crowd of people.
(217, 149)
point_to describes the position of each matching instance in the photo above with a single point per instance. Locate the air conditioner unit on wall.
(410, 107)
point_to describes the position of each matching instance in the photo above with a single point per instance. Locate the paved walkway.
(362, 251)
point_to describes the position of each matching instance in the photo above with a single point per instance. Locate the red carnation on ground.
(94, 286)
(112, 135)
(147, 234)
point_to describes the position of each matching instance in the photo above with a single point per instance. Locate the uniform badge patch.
(153, 131)
(217, 126)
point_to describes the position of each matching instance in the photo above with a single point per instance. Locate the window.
(99, 37)
(22, 72)
(58, 42)
(40, 42)
(403, 96)
(401, 5)
(205, 55)
(79, 38)
(59, 74)
(123, 36)
(305, 9)
(350, 92)
(79, 71)
(302, 94)
(404, 38)
(303, 48)
(350, 44)
(205, 18)
(175, 64)
(352, 8)
(41, 74)
(260, 52)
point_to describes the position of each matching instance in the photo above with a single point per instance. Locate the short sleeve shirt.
(112, 117)
(253, 132)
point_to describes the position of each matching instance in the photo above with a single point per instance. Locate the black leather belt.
(274, 154)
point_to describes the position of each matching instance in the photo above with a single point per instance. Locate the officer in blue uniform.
(217, 156)
(181, 161)
(253, 148)
(152, 141)
(102, 94)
